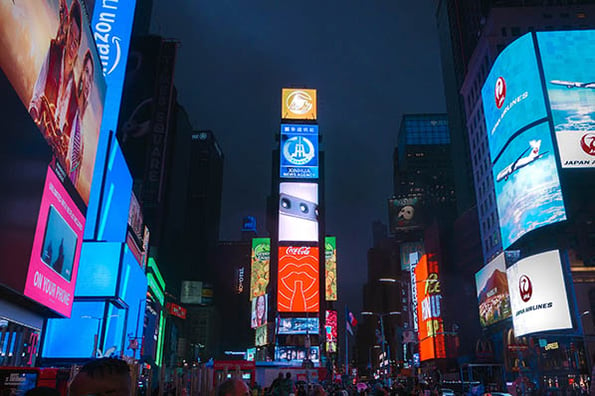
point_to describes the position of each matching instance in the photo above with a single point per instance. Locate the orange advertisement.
(298, 104)
(298, 284)
(429, 316)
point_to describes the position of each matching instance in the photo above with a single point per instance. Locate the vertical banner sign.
(260, 264)
(330, 267)
(298, 285)
(429, 296)
(155, 164)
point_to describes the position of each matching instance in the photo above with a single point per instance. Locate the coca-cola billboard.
(298, 279)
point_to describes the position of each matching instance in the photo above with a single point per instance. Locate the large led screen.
(261, 335)
(297, 353)
(260, 266)
(298, 326)
(410, 254)
(259, 311)
(99, 269)
(567, 59)
(298, 104)
(512, 94)
(48, 53)
(404, 214)
(330, 268)
(492, 292)
(298, 284)
(53, 266)
(429, 309)
(528, 192)
(538, 294)
(299, 151)
(331, 326)
(298, 212)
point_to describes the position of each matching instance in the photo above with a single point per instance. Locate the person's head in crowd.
(233, 387)
(105, 376)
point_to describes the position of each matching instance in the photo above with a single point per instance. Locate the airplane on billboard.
(574, 84)
(522, 160)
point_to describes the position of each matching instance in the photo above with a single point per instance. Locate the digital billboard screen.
(528, 191)
(261, 335)
(298, 279)
(54, 262)
(299, 151)
(538, 294)
(48, 53)
(330, 268)
(298, 326)
(259, 311)
(512, 94)
(260, 266)
(404, 214)
(297, 353)
(411, 252)
(567, 58)
(492, 292)
(99, 269)
(298, 212)
(191, 292)
(298, 104)
(330, 326)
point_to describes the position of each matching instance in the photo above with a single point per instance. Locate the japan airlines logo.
(298, 150)
(525, 288)
(500, 92)
(299, 102)
(588, 143)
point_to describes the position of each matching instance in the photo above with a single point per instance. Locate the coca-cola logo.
(588, 143)
(298, 251)
(525, 288)
(500, 92)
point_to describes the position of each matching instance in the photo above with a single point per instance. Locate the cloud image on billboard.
(528, 192)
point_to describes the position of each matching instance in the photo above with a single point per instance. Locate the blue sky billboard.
(567, 59)
(299, 151)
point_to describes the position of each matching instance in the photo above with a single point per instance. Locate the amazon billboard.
(524, 164)
(538, 294)
(298, 104)
(298, 279)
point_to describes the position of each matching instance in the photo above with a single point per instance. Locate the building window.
(515, 31)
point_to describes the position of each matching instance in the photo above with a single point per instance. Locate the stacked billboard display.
(492, 292)
(330, 268)
(298, 212)
(299, 151)
(260, 266)
(298, 279)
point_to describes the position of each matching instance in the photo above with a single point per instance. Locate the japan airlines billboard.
(538, 294)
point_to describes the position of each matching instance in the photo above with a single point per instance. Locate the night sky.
(371, 62)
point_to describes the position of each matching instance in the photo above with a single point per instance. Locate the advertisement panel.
(176, 310)
(99, 267)
(429, 309)
(298, 104)
(260, 266)
(261, 335)
(492, 292)
(330, 268)
(298, 212)
(297, 353)
(528, 192)
(298, 284)
(298, 326)
(330, 327)
(259, 311)
(512, 94)
(410, 254)
(112, 26)
(299, 151)
(135, 220)
(48, 54)
(538, 294)
(191, 292)
(404, 214)
(567, 58)
(53, 266)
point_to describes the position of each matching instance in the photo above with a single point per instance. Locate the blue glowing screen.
(98, 269)
(299, 151)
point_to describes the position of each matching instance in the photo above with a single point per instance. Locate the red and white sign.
(176, 310)
(298, 280)
(577, 148)
(500, 92)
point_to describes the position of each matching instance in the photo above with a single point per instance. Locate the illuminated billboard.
(330, 268)
(176, 310)
(191, 292)
(512, 94)
(299, 151)
(330, 327)
(298, 104)
(567, 59)
(259, 311)
(297, 353)
(411, 252)
(260, 266)
(48, 54)
(298, 284)
(298, 212)
(54, 262)
(492, 292)
(538, 294)
(528, 191)
(298, 326)
(261, 335)
(429, 310)
(404, 214)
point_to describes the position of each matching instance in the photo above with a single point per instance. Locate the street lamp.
(385, 352)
